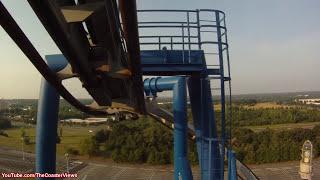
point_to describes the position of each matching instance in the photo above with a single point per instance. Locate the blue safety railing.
(189, 30)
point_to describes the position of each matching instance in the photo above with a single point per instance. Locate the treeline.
(243, 115)
(273, 146)
(267, 116)
(146, 141)
(69, 112)
(140, 141)
(26, 110)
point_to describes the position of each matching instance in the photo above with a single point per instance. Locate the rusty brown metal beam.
(73, 43)
(128, 11)
(18, 36)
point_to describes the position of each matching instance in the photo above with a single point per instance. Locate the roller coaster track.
(165, 117)
(85, 51)
(15, 32)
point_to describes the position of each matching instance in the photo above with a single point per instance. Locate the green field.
(307, 125)
(71, 137)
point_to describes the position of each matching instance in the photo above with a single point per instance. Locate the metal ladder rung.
(215, 77)
(212, 53)
(204, 20)
(227, 79)
(209, 31)
(211, 139)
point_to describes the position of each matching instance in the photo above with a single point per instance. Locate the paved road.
(11, 161)
(283, 171)
(274, 171)
(112, 171)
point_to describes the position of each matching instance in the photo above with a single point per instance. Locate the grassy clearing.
(307, 125)
(266, 105)
(260, 105)
(71, 137)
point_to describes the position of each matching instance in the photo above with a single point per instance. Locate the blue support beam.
(205, 127)
(170, 63)
(232, 167)
(47, 121)
(182, 169)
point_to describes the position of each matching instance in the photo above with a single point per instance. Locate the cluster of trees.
(267, 116)
(146, 141)
(68, 112)
(5, 123)
(273, 146)
(244, 116)
(140, 141)
(26, 110)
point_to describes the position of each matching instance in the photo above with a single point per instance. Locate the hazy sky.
(274, 45)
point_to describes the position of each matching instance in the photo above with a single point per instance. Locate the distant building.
(96, 121)
(315, 101)
(303, 95)
(28, 108)
(88, 121)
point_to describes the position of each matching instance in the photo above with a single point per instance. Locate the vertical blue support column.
(181, 163)
(232, 167)
(47, 120)
(48, 106)
(205, 127)
(182, 168)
